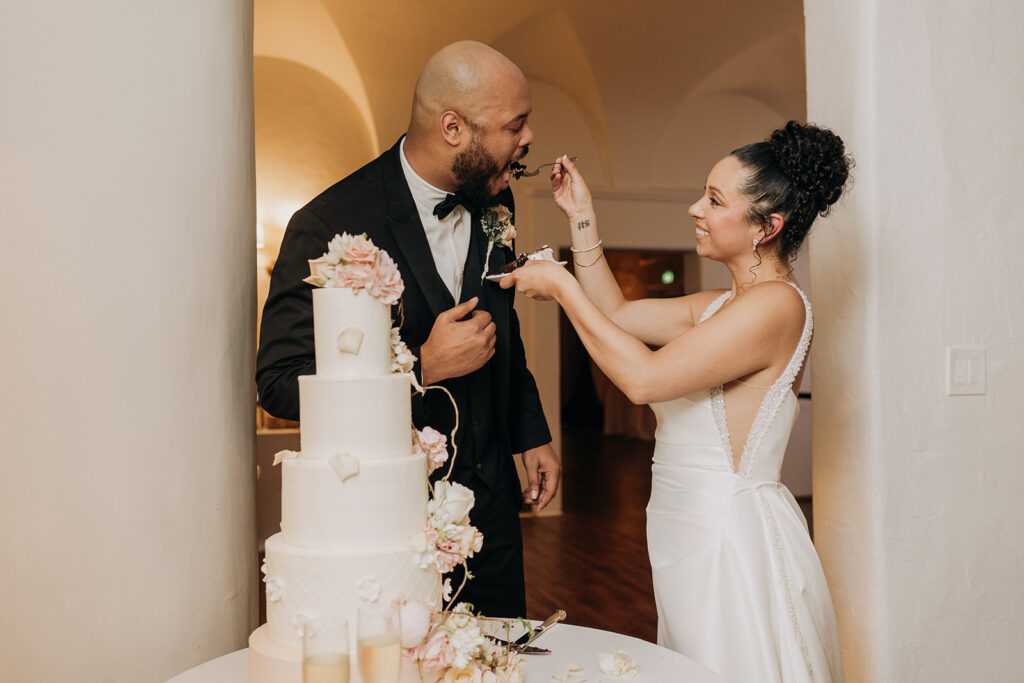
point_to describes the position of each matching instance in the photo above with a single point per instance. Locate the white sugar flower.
(402, 359)
(275, 589)
(370, 590)
(300, 622)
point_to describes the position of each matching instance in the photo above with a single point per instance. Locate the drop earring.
(756, 242)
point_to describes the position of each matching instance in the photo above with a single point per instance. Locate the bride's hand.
(541, 280)
(570, 191)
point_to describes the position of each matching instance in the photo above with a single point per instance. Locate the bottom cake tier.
(303, 584)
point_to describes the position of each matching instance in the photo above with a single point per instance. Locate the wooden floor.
(592, 560)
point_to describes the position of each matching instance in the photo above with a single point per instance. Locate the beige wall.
(126, 272)
(919, 520)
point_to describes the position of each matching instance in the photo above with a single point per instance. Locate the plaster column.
(128, 306)
(917, 493)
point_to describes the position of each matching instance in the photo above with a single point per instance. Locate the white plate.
(497, 276)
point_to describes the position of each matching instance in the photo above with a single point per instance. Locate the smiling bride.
(737, 581)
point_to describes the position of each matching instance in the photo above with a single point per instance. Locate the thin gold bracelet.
(587, 265)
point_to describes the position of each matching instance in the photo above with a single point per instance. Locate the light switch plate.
(965, 371)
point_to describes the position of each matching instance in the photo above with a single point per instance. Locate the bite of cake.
(543, 254)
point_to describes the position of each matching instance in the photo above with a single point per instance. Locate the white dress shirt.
(448, 238)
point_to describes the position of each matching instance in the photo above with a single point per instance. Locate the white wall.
(918, 519)
(128, 301)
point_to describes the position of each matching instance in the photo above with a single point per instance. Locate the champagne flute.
(325, 650)
(380, 643)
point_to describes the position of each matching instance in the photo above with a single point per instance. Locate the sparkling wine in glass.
(325, 651)
(380, 643)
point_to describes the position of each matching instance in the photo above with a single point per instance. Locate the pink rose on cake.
(388, 285)
(436, 652)
(355, 249)
(355, 276)
(431, 443)
(320, 271)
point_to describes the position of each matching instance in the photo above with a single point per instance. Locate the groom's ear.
(453, 128)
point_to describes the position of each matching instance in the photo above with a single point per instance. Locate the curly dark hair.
(799, 172)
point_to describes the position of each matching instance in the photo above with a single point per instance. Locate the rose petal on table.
(618, 664)
(569, 674)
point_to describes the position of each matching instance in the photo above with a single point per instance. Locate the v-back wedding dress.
(738, 584)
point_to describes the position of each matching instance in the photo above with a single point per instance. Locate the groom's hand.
(543, 472)
(457, 344)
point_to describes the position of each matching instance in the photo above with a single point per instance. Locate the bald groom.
(422, 202)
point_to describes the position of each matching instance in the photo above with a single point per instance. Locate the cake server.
(521, 649)
(530, 636)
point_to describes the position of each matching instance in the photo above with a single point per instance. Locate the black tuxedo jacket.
(499, 406)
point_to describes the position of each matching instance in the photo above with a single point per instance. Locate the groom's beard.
(474, 170)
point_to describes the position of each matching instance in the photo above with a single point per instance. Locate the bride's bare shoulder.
(778, 301)
(699, 302)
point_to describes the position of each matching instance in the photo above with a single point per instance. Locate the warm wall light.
(259, 235)
(284, 210)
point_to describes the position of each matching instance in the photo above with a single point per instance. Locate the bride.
(737, 582)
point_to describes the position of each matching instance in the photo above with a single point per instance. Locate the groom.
(423, 201)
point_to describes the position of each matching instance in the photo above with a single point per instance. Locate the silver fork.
(529, 174)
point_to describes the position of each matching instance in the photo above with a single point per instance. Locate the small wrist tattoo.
(583, 224)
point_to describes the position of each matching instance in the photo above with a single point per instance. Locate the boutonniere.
(499, 229)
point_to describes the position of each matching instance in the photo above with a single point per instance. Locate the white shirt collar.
(425, 195)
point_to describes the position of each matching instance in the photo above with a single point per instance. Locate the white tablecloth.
(567, 644)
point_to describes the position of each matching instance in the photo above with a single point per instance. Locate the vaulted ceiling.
(651, 92)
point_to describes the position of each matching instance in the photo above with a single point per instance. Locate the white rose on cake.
(451, 503)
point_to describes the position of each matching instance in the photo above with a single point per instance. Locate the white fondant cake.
(353, 497)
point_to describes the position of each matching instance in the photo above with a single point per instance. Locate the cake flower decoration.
(431, 443)
(402, 359)
(370, 590)
(355, 262)
(456, 645)
(499, 229)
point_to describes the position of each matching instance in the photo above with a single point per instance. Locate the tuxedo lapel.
(407, 229)
(473, 269)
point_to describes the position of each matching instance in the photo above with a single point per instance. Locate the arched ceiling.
(628, 69)
(640, 56)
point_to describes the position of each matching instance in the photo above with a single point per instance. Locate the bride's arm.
(737, 341)
(653, 321)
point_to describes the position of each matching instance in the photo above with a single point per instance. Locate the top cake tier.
(352, 333)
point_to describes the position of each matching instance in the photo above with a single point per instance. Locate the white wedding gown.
(738, 584)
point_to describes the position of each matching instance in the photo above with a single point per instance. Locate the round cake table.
(568, 644)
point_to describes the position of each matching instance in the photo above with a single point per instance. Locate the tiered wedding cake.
(354, 495)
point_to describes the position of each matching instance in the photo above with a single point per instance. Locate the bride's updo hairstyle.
(799, 172)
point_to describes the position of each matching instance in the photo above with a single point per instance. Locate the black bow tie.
(448, 204)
